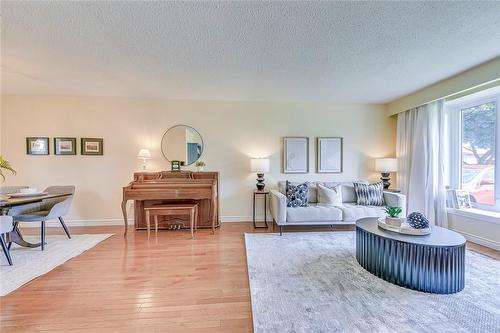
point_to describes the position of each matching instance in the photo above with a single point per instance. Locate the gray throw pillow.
(369, 195)
(296, 195)
(330, 196)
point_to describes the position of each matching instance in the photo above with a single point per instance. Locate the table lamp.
(144, 155)
(260, 166)
(385, 166)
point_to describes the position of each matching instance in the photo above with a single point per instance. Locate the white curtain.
(421, 141)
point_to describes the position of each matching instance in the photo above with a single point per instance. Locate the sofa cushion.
(348, 193)
(296, 195)
(330, 196)
(353, 212)
(313, 213)
(369, 195)
(313, 190)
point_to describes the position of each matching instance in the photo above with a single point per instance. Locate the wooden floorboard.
(166, 284)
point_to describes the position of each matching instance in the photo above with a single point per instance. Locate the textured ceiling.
(299, 51)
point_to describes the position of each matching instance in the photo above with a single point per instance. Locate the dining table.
(7, 201)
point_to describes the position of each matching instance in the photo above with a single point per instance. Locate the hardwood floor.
(167, 284)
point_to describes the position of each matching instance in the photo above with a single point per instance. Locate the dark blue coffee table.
(433, 263)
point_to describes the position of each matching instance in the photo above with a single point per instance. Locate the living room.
(348, 113)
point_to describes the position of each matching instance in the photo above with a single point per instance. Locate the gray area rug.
(31, 263)
(311, 282)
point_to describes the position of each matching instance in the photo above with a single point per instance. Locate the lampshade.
(260, 165)
(386, 164)
(144, 154)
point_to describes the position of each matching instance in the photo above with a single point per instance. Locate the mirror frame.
(194, 129)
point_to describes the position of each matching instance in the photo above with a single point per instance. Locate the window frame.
(454, 109)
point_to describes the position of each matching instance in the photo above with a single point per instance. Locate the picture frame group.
(458, 199)
(329, 154)
(64, 146)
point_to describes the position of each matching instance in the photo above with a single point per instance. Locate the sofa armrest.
(393, 199)
(278, 206)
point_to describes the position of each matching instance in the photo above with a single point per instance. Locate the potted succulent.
(392, 217)
(5, 165)
(200, 165)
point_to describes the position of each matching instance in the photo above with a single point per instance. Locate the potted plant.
(5, 165)
(392, 217)
(200, 165)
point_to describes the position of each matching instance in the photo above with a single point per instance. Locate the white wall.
(233, 132)
(476, 230)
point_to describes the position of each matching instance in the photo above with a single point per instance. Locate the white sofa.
(320, 214)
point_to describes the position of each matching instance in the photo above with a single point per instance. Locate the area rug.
(31, 263)
(311, 282)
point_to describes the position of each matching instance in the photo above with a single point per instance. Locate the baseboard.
(224, 219)
(480, 240)
(79, 223)
(109, 222)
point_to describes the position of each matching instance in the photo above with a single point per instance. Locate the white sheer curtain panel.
(421, 141)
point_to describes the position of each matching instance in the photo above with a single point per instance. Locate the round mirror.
(182, 143)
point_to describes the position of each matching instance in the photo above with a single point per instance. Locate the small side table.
(265, 193)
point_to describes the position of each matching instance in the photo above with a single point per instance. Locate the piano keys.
(167, 187)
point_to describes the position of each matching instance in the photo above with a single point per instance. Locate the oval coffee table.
(433, 263)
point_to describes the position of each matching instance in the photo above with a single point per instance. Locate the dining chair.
(5, 227)
(45, 210)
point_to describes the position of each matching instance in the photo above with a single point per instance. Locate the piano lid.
(174, 176)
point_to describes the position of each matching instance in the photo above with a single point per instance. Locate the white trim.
(78, 223)
(477, 214)
(258, 218)
(480, 240)
(109, 222)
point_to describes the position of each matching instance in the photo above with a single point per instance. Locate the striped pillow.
(369, 195)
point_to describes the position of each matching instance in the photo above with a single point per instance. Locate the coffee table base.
(433, 269)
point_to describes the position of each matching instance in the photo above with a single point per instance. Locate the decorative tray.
(26, 195)
(405, 228)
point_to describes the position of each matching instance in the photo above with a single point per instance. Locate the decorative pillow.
(330, 196)
(296, 195)
(369, 195)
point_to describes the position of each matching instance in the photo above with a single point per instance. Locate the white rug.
(31, 263)
(312, 283)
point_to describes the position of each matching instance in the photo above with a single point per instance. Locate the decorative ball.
(417, 220)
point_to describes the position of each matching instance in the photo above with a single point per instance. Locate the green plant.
(5, 165)
(393, 211)
(199, 164)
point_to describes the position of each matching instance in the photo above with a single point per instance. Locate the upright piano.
(164, 187)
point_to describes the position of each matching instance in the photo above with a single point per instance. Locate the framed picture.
(37, 146)
(92, 146)
(295, 155)
(329, 155)
(462, 199)
(176, 165)
(65, 146)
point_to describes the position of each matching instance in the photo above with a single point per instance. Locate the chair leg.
(64, 227)
(156, 225)
(5, 249)
(42, 231)
(191, 222)
(281, 231)
(148, 223)
(14, 227)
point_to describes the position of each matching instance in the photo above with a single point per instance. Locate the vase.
(200, 168)
(394, 221)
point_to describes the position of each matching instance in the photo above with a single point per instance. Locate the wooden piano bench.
(191, 210)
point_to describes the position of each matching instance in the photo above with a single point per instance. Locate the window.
(474, 140)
